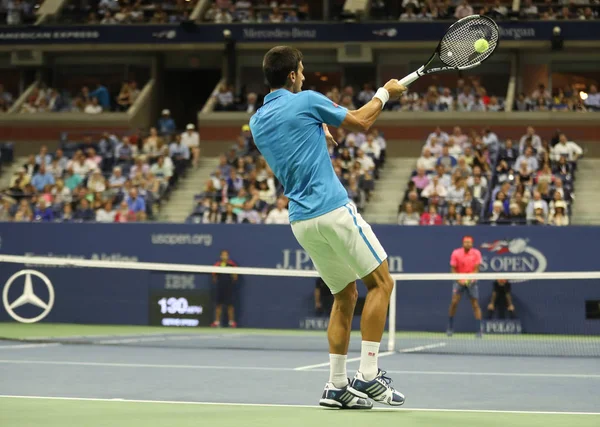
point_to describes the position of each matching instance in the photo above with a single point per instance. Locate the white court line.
(154, 339)
(422, 347)
(354, 359)
(21, 346)
(265, 368)
(267, 405)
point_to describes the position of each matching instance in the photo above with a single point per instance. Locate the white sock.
(337, 370)
(368, 359)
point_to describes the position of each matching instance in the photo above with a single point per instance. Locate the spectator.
(106, 213)
(124, 98)
(536, 203)
(434, 188)
(117, 180)
(508, 153)
(469, 218)
(24, 213)
(463, 10)
(498, 215)
(365, 95)
(43, 212)
(251, 104)
(408, 216)
(42, 178)
(536, 141)
(568, 149)
(43, 157)
(517, 217)
(426, 161)
(417, 204)
(456, 192)
(366, 162)
(212, 215)
(84, 212)
(124, 214)
(108, 19)
(446, 160)
(559, 218)
(409, 13)
(529, 159)
(125, 152)
(228, 217)
(191, 139)
(224, 98)
(249, 214)
(437, 137)
(371, 149)
(279, 215)
(96, 183)
(222, 16)
(102, 95)
(135, 202)
(431, 217)
(529, 10)
(166, 124)
(456, 150)
(462, 169)
(459, 137)
(593, 99)
(452, 217)
(421, 180)
(478, 190)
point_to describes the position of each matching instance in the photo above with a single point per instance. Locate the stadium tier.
(242, 212)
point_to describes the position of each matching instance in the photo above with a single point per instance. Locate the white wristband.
(383, 95)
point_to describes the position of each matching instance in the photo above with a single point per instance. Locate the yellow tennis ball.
(481, 45)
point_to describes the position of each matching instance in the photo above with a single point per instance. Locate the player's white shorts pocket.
(341, 244)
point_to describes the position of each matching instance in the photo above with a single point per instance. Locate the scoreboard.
(180, 300)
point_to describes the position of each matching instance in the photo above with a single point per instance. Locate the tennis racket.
(456, 50)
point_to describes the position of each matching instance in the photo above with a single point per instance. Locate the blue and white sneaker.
(378, 389)
(342, 398)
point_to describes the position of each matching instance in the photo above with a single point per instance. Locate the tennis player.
(290, 130)
(465, 260)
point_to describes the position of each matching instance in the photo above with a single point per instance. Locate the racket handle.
(409, 79)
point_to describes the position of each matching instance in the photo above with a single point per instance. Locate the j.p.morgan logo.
(25, 279)
(512, 256)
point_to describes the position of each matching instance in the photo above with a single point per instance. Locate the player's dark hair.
(278, 63)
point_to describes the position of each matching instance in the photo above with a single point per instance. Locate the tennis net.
(96, 302)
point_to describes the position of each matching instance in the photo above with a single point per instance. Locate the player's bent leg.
(340, 321)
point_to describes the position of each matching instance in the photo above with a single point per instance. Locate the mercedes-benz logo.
(28, 296)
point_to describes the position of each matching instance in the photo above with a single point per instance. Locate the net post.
(392, 319)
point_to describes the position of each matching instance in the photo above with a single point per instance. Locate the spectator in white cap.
(191, 139)
(96, 182)
(498, 216)
(559, 217)
(166, 124)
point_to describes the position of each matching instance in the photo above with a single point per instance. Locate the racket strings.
(457, 48)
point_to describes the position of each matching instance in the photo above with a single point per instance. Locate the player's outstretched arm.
(362, 119)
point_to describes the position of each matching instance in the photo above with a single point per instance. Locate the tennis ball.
(481, 45)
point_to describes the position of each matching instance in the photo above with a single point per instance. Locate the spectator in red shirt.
(225, 284)
(465, 260)
(431, 217)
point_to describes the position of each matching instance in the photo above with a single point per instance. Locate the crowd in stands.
(104, 179)
(257, 11)
(19, 12)
(562, 99)
(243, 189)
(467, 95)
(474, 179)
(549, 10)
(110, 12)
(427, 10)
(43, 99)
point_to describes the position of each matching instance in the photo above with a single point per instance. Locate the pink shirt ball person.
(465, 259)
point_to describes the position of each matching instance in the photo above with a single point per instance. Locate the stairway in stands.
(586, 209)
(389, 190)
(181, 202)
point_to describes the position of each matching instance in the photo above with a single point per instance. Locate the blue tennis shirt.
(288, 131)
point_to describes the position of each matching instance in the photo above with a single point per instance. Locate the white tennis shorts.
(341, 244)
